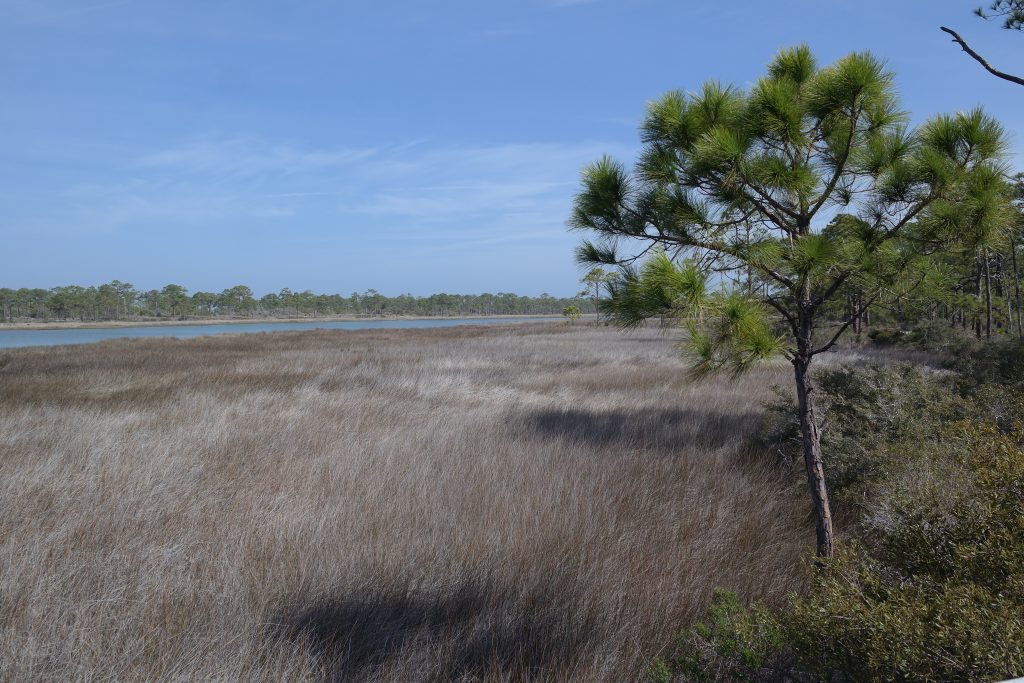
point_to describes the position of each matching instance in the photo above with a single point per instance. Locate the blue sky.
(404, 146)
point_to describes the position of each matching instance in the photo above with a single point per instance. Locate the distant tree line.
(118, 300)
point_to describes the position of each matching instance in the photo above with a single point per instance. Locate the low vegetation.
(928, 585)
(549, 502)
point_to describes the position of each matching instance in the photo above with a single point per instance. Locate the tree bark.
(977, 294)
(813, 461)
(1016, 285)
(988, 295)
(1004, 292)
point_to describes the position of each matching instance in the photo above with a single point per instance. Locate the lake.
(19, 338)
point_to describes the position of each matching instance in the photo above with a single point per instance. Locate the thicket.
(927, 467)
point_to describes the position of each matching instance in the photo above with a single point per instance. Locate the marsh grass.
(542, 502)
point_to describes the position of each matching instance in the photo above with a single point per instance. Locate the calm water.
(16, 338)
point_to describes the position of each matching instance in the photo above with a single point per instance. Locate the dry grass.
(532, 501)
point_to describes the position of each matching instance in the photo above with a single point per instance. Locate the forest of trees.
(973, 282)
(118, 300)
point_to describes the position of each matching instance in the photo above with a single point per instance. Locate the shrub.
(886, 335)
(936, 590)
(938, 336)
(865, 414)
(931, 585)
(737, 643)
(928, 335)
(999, 362)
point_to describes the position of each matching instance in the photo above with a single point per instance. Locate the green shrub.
(737, 643)
(999, 363)
(938, 336)
(929, 583)
(935, 592)
(928, 335)
(865, 414)
(886, 335)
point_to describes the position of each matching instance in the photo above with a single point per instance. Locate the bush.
(886, 335)
(938, 336)
(929, 335)
(737, 644)
(930, 587)
(998, 362)
(864, 414)
(936, 590)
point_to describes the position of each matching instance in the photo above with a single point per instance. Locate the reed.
(543, 502)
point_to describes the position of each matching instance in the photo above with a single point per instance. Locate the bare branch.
(840, 166)
(842, 328)
(981, 60)
(785, 314)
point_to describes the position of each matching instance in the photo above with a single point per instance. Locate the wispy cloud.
(431, 193)
(511, 182)
(569, 3)
(249, 156)
(51, 12)
(499, 33)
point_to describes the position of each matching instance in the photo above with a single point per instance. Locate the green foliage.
(1011, 12)
(660, 288)
(727, 329)
(1000, 363)
(886, 336)
(118, 300)
(734, 333)
(737, 643)
(947, 341)
(871, 414)
(937, 594)
(734, 185)
(930, 584)
(572, 313)
(937, 336)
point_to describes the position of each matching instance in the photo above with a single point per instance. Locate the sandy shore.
(104, 324)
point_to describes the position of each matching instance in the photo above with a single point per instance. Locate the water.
(10, 339)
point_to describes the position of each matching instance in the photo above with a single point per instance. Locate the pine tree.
(745, 182)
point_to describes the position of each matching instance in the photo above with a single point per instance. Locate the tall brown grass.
(522, 502)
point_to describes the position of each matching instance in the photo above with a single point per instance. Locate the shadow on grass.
(656, 430)
(466, 632)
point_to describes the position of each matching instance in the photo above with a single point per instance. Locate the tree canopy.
(747, 212)
(1011, 12)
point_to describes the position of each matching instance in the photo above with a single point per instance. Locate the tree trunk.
(1003, 291)
(813, 461)
(977, 295)
(1016, 286)
(988, 296)
(1009, 317)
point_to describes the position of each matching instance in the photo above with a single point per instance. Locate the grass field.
(532, 501)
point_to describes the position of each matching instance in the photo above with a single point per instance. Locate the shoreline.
(115, 324)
